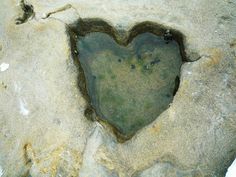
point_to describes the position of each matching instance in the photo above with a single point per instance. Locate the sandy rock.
(43, 130)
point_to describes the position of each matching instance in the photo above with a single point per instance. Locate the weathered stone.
(43, 130)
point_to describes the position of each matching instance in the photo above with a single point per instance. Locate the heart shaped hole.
(128, 77)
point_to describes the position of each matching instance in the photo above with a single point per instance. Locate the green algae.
(129, 86)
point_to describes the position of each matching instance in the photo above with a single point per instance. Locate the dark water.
(129, 86)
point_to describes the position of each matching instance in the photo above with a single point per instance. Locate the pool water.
(129, 86)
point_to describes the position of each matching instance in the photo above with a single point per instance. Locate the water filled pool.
(129, 86)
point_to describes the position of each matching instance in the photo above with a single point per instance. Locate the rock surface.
(231, 172)
(43, 130)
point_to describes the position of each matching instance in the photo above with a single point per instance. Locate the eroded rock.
(196, 133)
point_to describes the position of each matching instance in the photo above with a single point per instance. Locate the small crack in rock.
(64, 8)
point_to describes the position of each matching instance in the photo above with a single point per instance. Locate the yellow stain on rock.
(102, 157)
(112, 162)
(70, 164)
(156, 128)
(55, 155)
(40, 27)
(29, 154)
(216, 56)
(74, 167)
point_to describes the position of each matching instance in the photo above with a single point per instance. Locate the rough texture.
(43, 131)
